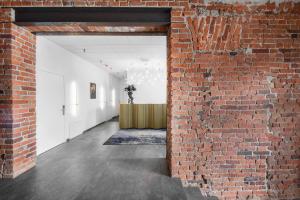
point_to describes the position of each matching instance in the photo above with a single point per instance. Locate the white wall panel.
(81, 112)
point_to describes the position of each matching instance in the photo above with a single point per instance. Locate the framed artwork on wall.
(93, 90)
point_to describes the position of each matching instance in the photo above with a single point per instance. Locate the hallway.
(85, 169)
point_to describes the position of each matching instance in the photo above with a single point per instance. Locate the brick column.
(17, 97)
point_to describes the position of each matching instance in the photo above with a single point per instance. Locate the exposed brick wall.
(237, 101)
(17, 99)
(234, 95)
(24, 97)
(5, 93)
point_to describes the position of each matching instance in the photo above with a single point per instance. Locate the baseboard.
(114, 117)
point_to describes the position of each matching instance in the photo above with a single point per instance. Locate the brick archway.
(233, 94)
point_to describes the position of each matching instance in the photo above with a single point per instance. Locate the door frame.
(137, 26)
(66, 136)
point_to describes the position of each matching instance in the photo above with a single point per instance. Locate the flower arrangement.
(130, 89)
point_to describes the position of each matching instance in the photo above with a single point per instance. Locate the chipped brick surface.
(17, 99)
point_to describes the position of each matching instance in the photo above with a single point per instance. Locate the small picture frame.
(93, 90)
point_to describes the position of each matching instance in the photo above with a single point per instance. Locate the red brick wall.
(236, 124)
(234, 95)
(6, 119)
(17, 99)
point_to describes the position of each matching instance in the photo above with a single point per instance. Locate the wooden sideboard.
(143, 116)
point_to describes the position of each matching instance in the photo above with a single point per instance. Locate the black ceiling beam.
(106, 16)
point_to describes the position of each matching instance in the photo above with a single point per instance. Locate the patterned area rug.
(138, 136)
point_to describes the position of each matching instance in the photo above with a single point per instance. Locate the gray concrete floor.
(85, 169)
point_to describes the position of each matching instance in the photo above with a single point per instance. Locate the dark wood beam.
(106, 16)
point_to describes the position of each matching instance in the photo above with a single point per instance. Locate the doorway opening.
(82, 82)
(29, 22)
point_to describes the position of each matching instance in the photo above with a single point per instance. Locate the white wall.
(151, 86)
(81, 112)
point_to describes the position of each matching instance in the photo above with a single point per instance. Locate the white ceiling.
(117, 53)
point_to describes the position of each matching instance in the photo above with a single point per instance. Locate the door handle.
(63, 109)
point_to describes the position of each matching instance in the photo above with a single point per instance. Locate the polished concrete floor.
(85, 169)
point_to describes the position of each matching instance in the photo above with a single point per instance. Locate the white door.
(50, 116)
